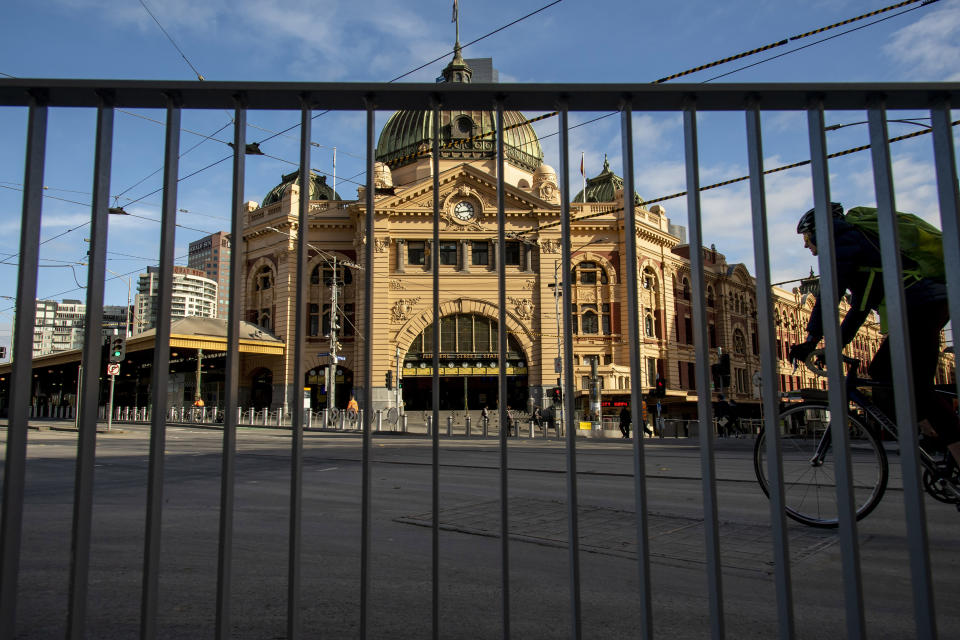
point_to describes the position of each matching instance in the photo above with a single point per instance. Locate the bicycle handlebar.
(816, 356)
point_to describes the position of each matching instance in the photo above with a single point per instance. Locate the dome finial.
(458, 70)
(456, 19)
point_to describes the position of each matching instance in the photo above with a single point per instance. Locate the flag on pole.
(581, 165)
(454, 18)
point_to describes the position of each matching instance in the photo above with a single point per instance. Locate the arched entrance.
(261, 388)
(316, 380)
(469, 366)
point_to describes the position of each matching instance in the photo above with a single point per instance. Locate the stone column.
(466, 255)
(401, 255)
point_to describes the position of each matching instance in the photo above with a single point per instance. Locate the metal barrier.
(38, 96)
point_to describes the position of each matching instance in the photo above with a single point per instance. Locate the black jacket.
(859, 272)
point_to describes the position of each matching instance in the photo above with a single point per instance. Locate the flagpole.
(334, 172)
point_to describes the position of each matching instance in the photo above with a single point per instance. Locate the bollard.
(343, 420)
(379, 420)
(403, 423)
(467, 420)
(486, 425)
(449, 426)
(429, 425)
(531, 429)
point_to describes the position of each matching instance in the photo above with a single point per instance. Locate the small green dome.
(605, 187)
(319, 189)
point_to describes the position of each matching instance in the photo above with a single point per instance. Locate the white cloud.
(931, 45)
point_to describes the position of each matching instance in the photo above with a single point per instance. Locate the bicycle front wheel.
(809, 477)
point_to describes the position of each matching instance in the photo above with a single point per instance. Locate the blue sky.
(377, 40)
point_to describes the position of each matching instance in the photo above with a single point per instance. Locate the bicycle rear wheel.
(809, 484)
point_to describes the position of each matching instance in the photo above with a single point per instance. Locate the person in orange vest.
(352, 406)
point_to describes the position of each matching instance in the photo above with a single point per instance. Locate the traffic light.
(118, 348)
(389, 379)
(556, 394)
(661, 389)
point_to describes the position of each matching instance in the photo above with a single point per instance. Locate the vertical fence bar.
(949, 198)
(92, 341)
(299, 331)
(14, 470)
(573, 519)
(704, 408)
(768, 364)
(367, 373)
(231, 413)
(161, 375)
(502, 376)
(903, 382)
(636, 390)
(828, 299)
(435, 379)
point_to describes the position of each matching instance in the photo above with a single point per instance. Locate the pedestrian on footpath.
(625, 420)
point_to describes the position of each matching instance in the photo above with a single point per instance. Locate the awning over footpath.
(209, 334)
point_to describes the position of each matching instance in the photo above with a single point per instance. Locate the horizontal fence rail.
(689, 102)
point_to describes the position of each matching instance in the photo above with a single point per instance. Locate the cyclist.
(858, 264)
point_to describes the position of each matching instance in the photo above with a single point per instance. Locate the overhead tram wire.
(680, 194)
(784, 41)
(175, 46)
(483, 37)
(715, 63)
(822, 40)
(923, 3)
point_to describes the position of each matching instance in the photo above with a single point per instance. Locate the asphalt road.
(470, 560)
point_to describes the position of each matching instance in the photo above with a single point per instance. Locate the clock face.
(463, 210)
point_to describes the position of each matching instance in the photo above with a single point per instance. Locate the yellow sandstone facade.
(402, 337)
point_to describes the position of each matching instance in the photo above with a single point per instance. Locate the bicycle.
(808, 464)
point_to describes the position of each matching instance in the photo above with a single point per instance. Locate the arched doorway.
(261, 388)
(469, 366)
(316, 380)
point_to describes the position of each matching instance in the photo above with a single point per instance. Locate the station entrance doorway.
(469, 367)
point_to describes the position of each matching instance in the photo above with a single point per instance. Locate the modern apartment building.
(211, 254)
(193, 294)
(59, 326)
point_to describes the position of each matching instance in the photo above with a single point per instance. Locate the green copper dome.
(408, 134)
(605, 187)
(319, 189)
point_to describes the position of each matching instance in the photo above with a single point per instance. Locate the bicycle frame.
(874, 414)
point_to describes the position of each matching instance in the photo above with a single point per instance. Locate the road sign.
(113, 369)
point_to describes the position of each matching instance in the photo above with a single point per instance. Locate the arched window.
(648, 325)
(710, 299)
(649, 279)
(685, 289)
(739, 342)
(264, 320)
(345, 275)
(263, 280)
(588, 321)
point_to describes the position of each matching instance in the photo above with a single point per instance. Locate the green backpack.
(921, 249)
(921, 243)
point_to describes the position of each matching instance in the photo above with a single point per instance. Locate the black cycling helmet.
(808, 220)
